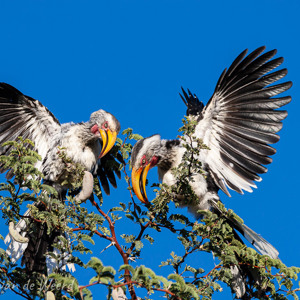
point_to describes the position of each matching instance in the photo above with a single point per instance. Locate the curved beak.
(108, 140)
(138, 178)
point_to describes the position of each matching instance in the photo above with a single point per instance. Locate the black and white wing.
(241, 120)
(24, 116)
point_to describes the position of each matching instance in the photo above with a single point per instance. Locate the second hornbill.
(84, 143)
(237, 124)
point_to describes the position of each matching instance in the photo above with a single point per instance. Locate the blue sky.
(131, 58)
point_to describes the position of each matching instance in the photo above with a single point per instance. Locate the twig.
(24, 294)
(124, 255)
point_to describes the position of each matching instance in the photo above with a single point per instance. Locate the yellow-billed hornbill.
(84, 143)
(238, 123)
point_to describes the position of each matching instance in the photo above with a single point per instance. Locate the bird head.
(145, 155)
(106, 127)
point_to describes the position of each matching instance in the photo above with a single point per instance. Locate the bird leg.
(87, 188)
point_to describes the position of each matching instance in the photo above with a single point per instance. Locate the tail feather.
(238, 285)
(263, 246)
(241, 272)
(52, 262)
(34, 255)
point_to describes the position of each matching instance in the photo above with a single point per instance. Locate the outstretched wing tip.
(241, 119)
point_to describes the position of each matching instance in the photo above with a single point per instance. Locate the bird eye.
(143, 161)
(105, 125)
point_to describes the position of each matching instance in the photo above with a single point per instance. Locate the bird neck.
(170, 154)
(87, 137)
(79, 136)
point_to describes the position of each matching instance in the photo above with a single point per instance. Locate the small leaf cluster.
(73, 172)
(125, 148)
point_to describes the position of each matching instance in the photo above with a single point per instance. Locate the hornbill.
(84, 143)
(237, 125)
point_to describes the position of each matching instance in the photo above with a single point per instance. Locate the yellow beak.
(108, 140)
(138, 178)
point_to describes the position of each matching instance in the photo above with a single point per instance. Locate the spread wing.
(241, 120)
(24, 116)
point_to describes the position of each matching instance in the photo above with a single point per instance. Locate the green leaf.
(87, 294)
(129, 216)
(135, 136)
(94, 279)
(126, 267)
(178, 280)
(96, 264)
(109, 269)
(49, 189)
(127, 131)
(87, 238)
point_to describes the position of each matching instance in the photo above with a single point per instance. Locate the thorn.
(133, 258)
(111, 244)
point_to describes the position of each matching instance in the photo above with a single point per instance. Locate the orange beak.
(138, 178)
(108, 140)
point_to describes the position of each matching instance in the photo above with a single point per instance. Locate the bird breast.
(75, 148)
(78, 150)
(197, 182)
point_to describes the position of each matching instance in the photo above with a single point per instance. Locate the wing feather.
(108, 167)
(250, 134)
(241, 119)
(24, 116)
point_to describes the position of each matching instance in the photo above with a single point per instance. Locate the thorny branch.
(124, 255)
